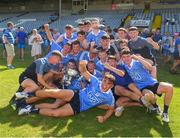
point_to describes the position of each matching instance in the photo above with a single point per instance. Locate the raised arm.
(146, 64)
(117, 71)
(83, 70)
(48, 32)
(153, 43)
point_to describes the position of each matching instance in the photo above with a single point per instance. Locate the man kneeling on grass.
(97, 93)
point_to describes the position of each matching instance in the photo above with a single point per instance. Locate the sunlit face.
(81, 27)
(122, 34)
(106, 84)
(126, 58)
(95, 24)
(67, 48)
(11, 26)
(105, 43)
(102, 55)
(71, 65)
(75, 48)
(87, 27)
(112, 62)
(91, 67)
(54, 59)
(133, 34)
(68, 32)
(34, 31)
(80, 37)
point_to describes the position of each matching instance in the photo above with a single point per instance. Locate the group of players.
(88, 68)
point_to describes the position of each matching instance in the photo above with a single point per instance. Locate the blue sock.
(21, 103)
(31, 94)
(34, 110)
(165, 109)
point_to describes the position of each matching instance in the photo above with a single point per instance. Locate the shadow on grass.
(134, 122)
(3, 69)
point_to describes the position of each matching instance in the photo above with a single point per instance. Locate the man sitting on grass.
(97, 93)
(139, 70)
(33, 77)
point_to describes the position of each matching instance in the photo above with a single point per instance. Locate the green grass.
(134, 122)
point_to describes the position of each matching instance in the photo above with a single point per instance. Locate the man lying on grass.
(97, 93)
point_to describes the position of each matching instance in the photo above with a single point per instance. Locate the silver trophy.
(69, 75)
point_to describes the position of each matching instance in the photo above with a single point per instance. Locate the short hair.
(90, 61)
(122, 41)
(133, 28)
(56, 53)
(76, 42)
(95, 19)
(111, 57)
(87, 22)
(80, 23)
(72, 61)
(105, 36)
(68, 44)
(122, 29)
(81, 33)
(110, 77)
(100, 49)
(9, 24)
(68, 26)
(125, 51)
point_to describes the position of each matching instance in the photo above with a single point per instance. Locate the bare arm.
(108, 114)
(48, 32)
(154, 44)
(42, 81)
(117, 71)
(59, 40)
(84, 44)
(83, 70)
(5, 40)
(146, 64)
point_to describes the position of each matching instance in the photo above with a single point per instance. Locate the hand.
(82, 62)
(100, 119)
(134, 57)
(60, 39)
(149, 40)
(106, 65)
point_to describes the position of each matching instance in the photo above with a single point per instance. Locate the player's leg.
(123, 102)
(126, 102)
(63, 111)
(134, 89)
(54, 105)
(175, 64)
(64, 94)
(29, 85)
(167, 89)
(121, 91)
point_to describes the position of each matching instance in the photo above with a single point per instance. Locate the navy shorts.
(75, 103)
(23, 77)
(116, 97)
(152, 88)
